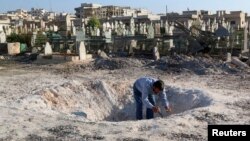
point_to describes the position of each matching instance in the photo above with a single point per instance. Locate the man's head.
(158, 86)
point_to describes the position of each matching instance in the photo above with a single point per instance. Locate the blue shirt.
(145, 86)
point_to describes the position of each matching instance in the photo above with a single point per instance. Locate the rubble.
(239, 63)
(198, 65)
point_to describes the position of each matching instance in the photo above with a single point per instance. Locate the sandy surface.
(94, 102)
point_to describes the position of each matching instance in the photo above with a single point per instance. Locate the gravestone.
(116, 26)
(2, 37)
(119, 31)
(80, 35)
(133, 44)
(33, 39)
(151, 32)
(112, 26)
(1, 28)
(98, 32)
(156, 53)
(102, 54)
(104, 27)
(108, 36)
(55, 28)
(132, 26)
(237, 39)
(14, 48)
(48, 49)
(166, 27)
(73, 30)
(229, 57)
(157, 29)
(82, 51)
(171, 30)
(68, 51)
(245, 47)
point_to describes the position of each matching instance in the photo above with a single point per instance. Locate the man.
(144, 88)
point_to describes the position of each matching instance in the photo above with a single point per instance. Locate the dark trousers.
(139, 105)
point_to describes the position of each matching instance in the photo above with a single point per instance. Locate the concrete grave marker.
(151, 32)
(13, 48)
(80, 35)
(82, 51)
(245, 47)
(47, 49)
(156, 53)
(2, 37)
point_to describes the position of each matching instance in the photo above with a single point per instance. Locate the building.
(20, 13)
(87, 10)
(49, 16)
(236, 18)
(38, 13)
(103, 12)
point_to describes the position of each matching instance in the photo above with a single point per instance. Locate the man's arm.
(164, 100)
(145, 100)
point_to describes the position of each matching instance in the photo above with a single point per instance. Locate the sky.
(156, 6)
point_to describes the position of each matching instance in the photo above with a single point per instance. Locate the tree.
(94, 22)
(41, 39)
(22, 38)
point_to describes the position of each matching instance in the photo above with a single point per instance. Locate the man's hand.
(156, 109)
(168, 109)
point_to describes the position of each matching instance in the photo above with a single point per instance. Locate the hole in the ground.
(181, 100)
(99, 100)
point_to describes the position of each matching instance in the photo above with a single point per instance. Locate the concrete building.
(87, 10)
(20, 13)
(103, 12)
(236, 18)
(49, 16)
(39, 13)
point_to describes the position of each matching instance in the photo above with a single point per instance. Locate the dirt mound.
(186, 99)
(198, 65)
(118, 63)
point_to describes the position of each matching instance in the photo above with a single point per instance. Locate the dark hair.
(159, 84)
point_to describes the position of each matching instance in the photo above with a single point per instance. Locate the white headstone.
(98, 32)
(73, 30)
(171, 29)
(55, 28)
(229, 57)
(151, 32)
(2, 37)
(47, 49)
(82, 52)
(68, 51)
(116, 26)
(112, 26)
(104, 27)
(171, 43)
(166, 27)
(108, 25)
(237, 39)
(156, 53)
(1, 28)
(8, 31)
(245, 48)
(132, 27)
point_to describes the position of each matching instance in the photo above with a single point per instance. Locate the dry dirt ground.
(93, 100)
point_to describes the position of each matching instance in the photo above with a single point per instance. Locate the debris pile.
(198, 65)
